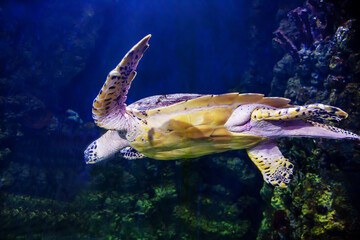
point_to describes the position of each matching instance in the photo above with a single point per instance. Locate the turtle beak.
(90, 154)
(88, 160)
(87, 157)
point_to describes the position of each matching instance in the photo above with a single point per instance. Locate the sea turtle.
(180, 126)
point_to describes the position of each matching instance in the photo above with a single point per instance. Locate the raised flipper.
(104, 147)
(109, 106)
(312, 111)
(131, 154)
(275, 168)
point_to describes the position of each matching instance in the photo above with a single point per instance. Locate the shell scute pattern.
(234, 99)
(194, 129)
(200, 117)
(277, 102)
(158, 101)
(224, 99)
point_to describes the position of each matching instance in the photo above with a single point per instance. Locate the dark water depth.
(54, 59)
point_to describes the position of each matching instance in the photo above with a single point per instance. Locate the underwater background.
(55, 56)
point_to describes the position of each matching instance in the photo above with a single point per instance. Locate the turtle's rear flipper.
(312, 111)
(130, 154)
(275, 168)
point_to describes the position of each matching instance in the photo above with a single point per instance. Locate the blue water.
(55, 56)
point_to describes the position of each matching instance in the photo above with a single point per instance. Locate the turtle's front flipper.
(275, 168)
(109, 106)
(104, 147)
(131, 154)
(312, 111)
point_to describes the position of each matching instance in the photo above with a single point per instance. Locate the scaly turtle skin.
(192, 125)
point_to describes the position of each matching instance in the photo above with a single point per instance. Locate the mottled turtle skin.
(177, 126)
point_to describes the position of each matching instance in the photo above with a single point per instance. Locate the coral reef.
(139, 199)
(212, 229)
(316, 206)
(320, 64)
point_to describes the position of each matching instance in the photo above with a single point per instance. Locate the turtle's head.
(93, 154)
(104, 147)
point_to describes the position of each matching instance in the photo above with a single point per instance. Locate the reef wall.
(320, 63)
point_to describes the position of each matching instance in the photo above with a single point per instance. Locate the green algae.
(222, 229)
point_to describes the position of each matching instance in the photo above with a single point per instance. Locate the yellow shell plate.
(219, 100)
(196, 127)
